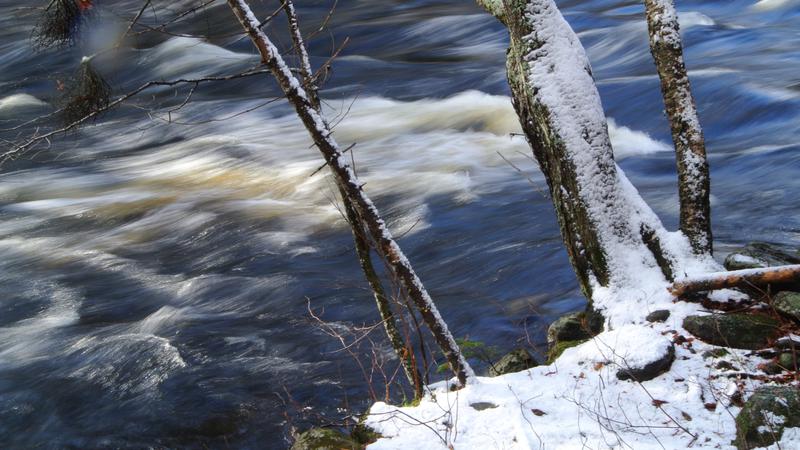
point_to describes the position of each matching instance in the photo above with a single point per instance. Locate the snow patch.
(629, 347)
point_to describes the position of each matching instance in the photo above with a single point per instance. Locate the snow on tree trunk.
(321, 134)
(690, 149)
(363, 249)
(613, 238)
(403, 350)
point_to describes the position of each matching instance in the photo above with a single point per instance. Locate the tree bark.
(736, 278)
(400, 346)
(690, 150)
(601, 216)
(321, 134)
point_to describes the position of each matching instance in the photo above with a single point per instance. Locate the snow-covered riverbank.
(580, 400)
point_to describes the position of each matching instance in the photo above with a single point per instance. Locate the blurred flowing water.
(156, 276)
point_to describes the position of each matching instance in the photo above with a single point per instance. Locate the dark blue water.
(156, 277)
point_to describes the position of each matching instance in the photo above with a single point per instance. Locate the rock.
(324, 439)
(740, 261)
(516, 361)
(788, 343)
(715, 353)
(651, 369)
(739, 330)
(725, 365)
(658, 316)
(364, 435)
(788, 361)
(770, 368)
(575, 327)
(482, 406)
(765, 415)
(559, 347)
(787, 303)
(772, 254)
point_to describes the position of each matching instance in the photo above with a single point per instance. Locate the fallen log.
(736, 278)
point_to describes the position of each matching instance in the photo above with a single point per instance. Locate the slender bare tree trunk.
(402, 349)
(347, 180)
(399, 344)
(307, 74)
(690, 149)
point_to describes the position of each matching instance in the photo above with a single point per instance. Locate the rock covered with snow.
(788, 303)
(639, 353)
(765, 416)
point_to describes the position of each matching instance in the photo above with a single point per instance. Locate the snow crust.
(578, 401)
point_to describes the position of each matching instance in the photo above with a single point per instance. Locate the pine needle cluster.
(87, 93)
(60, 24)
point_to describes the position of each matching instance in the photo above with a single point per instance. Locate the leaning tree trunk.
(401, 348)
(610, 233)
(345, 177)
(690, 149)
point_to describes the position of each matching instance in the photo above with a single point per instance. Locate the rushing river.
(156, 277)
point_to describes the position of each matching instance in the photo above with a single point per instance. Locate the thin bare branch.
(20, 149)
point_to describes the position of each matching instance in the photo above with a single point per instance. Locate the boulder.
(575, 327)
(363, 434)
(738, 330)
(658, 316)
(765, 415)
(773, 254)
(656, 367)
(740, 261)
(788, 304)
(788, 361)
(516, 361)
(324, 439)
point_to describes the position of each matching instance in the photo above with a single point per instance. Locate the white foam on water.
(461, 30)
(771, 5)
(20, 101)
(260, 166)
(628, 142)
(185, 57)
(126, 364)
(620, 45)
(689, 19)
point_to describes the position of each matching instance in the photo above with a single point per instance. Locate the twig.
(22, 148)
